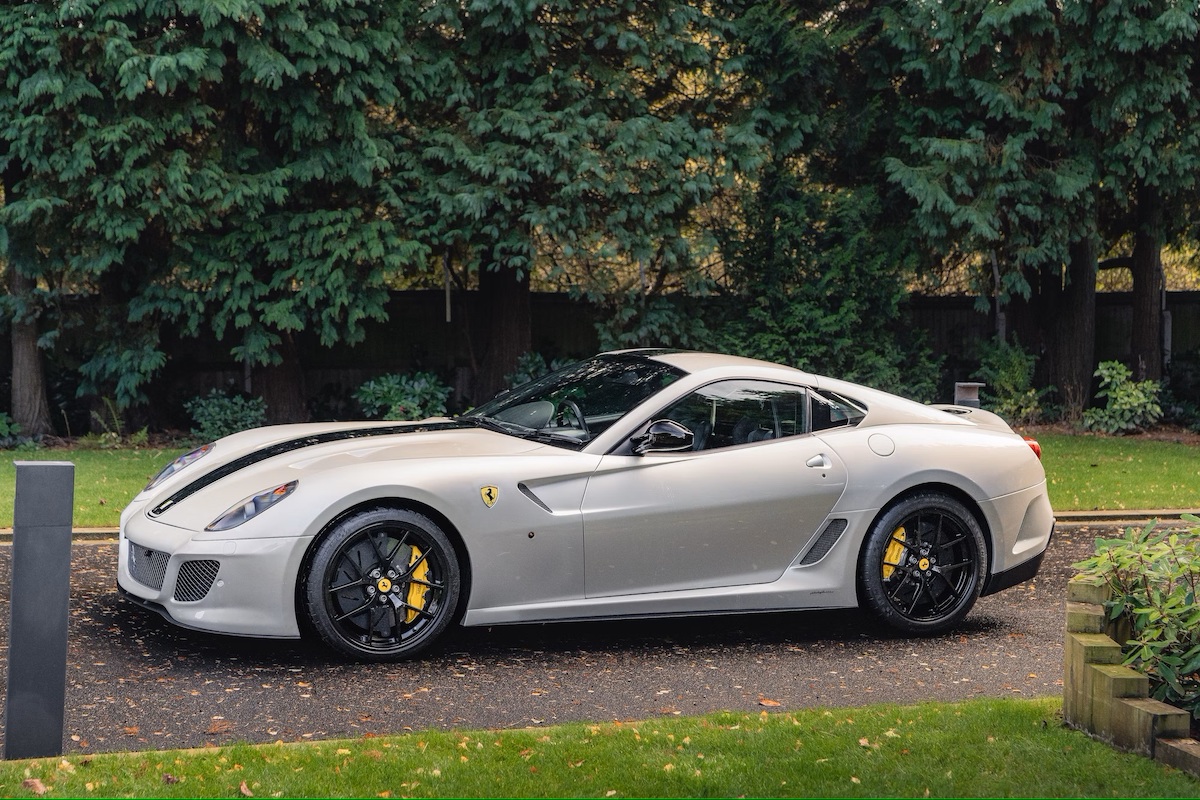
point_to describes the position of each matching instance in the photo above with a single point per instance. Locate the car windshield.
(572, 405)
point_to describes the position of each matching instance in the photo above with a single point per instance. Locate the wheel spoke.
(364, 607)
(406, 575)
(922, 588)
(384, 562)
(345, 586)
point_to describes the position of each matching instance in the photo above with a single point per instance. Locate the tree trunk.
(1069, 318)
(281, 386)
(1146, 344)
(504, 303)
(29, 407)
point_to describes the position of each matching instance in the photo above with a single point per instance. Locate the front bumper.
(245, 587)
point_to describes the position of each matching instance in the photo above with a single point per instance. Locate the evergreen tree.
(999, 162)
(554, 135)
(205, 164)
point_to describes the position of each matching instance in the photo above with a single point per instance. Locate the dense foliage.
(219, 414)
(764, 177)
(1129, 405)
(1006, 370)
(1154, 577)
(410, 396)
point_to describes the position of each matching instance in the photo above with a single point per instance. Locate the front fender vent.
(828, 538)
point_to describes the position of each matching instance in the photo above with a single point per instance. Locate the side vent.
(828, 538)
(525, 490)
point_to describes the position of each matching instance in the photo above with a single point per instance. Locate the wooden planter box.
(1110, 701)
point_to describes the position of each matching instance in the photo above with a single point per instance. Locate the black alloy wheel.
(923, 564)
(383, 585)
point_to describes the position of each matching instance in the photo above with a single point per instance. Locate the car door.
(736, 509)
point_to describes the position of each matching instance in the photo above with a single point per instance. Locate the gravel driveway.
(137, 682)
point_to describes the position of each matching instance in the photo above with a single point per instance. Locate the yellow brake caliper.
(894, 552)
(417, 592)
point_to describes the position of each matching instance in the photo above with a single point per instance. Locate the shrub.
(1131, 405)
(219, 414)
(411, 396)
(10, 434)
(530, 366)
(8, 428)
(1154, 578)
(1007, 373)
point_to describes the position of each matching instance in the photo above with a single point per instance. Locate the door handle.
(819, 462)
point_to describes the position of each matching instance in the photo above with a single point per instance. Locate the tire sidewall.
(871, 591)
(327, 549)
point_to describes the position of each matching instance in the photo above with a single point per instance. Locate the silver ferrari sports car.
(640, 483)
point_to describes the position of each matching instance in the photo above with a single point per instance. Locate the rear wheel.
(383, 585)
(923, 564)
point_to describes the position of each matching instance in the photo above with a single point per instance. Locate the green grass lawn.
(1117, 472)
(981, 748)
(105, 480)
(1085, 472)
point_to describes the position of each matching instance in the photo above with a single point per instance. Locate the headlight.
(251, 507)
(176, 465)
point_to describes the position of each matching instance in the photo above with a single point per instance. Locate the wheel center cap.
(923, 563)
(383, 585)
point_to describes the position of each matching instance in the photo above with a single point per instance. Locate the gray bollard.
(38, 609)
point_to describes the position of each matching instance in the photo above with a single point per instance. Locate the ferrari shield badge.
(490, 495)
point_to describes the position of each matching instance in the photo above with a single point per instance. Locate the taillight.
(1034, 446)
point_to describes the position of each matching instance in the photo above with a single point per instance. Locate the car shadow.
(121, 624)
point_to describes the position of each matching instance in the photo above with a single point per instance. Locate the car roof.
(692, 361)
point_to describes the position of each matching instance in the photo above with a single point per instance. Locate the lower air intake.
(195, 579)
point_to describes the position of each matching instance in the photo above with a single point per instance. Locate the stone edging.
(1110, 701)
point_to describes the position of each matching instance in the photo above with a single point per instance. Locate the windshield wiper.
(492, 424)
(521, 431)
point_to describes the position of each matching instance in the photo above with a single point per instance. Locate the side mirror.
(663, 436)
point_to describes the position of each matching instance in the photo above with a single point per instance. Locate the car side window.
(729, 413)
(830, 410)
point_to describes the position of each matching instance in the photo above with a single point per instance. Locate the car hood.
(314, 448)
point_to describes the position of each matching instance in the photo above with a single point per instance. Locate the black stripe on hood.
(257, 456)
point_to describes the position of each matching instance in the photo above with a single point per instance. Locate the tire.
(923, 564)
(383, 585)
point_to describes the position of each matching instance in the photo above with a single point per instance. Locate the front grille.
(147, 566)
(828, 538)
(195, 579)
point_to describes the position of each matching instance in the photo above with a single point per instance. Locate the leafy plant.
(530, 366)
(1154, 577)
(1132, 405)
(408, 396)
(8, 428)
(218, 414)
(1007, 373)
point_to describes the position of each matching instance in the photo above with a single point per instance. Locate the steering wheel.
(569, 408)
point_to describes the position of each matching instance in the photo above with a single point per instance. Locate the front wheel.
(383, 585)
(923, 564)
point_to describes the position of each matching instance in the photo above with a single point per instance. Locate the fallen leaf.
(131, 730)
(219, 725)
(34, 785)
(245, 790)
(768, 702)
(854, 779)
